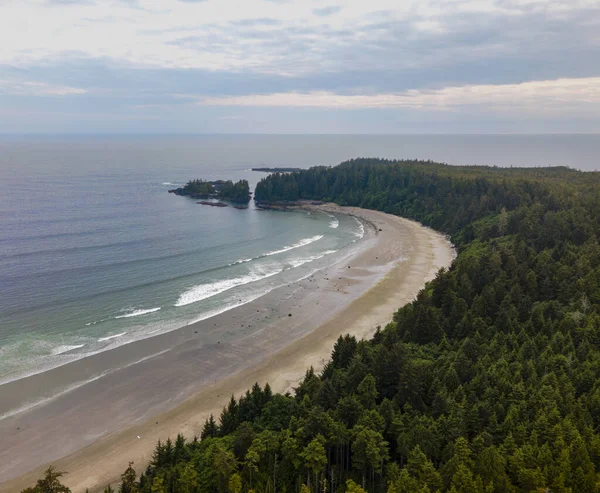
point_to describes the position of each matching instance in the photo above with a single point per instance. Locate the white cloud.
(34, 88)
(150, 32)
(559, 94)
(491, 59)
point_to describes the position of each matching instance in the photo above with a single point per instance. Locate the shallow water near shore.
(90, 263)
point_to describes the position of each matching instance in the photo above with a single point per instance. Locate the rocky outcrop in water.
(212, 203)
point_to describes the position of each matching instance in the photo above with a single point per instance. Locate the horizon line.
(282, 134)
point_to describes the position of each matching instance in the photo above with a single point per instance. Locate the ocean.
(95, 254)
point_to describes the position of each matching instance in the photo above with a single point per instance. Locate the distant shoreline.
(276, 170)
(355, 295)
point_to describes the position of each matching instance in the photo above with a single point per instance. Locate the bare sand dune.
(95, 431)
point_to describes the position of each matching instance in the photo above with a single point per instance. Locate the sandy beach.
(123, 401)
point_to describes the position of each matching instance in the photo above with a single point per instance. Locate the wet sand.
(155, 388)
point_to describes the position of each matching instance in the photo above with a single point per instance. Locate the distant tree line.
(488, 382)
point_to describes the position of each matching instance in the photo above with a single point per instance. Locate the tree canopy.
(220, 189)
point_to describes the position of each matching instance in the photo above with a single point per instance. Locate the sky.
(299, 66)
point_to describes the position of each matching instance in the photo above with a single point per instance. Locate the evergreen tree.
(210, 428)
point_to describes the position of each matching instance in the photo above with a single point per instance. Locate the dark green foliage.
(236, 192)
(488, 382)
(225, 190)
(128, 483)
(210, 428)
(199, 187)
(50, 483)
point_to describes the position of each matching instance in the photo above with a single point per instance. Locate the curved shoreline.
(390, 271)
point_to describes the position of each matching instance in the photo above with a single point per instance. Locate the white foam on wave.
(301, 243)
(66, 348)
(301, 261)
(137, 313)
(242, 260)
(203, 291)
(361, 229)
(117, 340)
(108, 338)
(259, 294)
(340, 259)
(335, 223)
(225, 308)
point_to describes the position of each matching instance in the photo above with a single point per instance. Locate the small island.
(277, 170)
(218, 190)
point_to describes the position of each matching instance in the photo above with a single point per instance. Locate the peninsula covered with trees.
(489, 381)
(220, 189)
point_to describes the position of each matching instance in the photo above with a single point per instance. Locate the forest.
(220, 189)
(489, 381)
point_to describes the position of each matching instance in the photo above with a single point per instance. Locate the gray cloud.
(53, 3)
(264, 21)
(382, 54)
(398, 55)
(327, 11)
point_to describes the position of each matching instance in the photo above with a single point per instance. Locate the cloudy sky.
(299, 66)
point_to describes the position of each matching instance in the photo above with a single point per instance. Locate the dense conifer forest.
(220, 189)
(488, 382)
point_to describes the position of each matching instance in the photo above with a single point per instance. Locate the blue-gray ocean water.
(94, 253)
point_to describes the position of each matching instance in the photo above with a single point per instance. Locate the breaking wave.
(66, 348)
(137, 313)
(299, 244)
(202, 291)
(108, 338)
